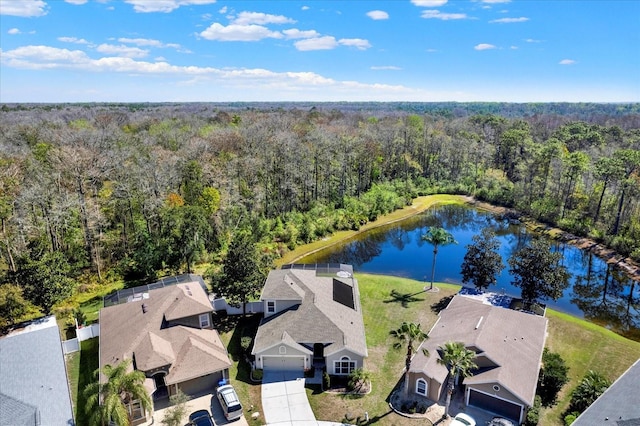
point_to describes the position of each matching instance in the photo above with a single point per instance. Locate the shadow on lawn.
(88, 365)
(243, 327)
(404, 298)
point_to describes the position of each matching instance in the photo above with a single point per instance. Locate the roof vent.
(144, 308)
(188, 290)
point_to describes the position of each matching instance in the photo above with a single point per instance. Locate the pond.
(598, 291)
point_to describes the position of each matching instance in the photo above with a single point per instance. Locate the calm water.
(597, 291)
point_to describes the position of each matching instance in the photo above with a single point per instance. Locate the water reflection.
(598, 291)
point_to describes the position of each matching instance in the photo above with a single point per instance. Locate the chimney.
(144, 308)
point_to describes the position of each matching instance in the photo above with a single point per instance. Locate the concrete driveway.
(203, 402)
(284, 400)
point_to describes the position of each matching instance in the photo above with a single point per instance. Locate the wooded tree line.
(112, 189)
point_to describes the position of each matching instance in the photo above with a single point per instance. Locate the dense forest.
(131, 191)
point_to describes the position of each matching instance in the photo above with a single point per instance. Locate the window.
(204, 321)
(135, 410)
(271, 306)
(344, 367)
(282, 350)
(421, 387)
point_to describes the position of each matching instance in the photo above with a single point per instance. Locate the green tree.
(553, 376)
(408, 334)
(45, 278)
(13, 306)
(358, 379)
(482, 263)
(174, 414)
(630, 162)
(243, 271)
(537, 271)
(437, 237)
(459, 361)
(113, 399)
(592, 385)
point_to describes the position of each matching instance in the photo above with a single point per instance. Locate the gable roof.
(512, 340)
(33, 376)
(127, 331)
(321, 316)
(620, 403)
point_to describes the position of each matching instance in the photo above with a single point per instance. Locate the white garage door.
(288, 363)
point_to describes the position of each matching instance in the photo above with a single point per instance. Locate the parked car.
(463, 419)
(200, 418)
(500, 421)
(229, 402)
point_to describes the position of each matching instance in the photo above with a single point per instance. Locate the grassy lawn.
(80, 368)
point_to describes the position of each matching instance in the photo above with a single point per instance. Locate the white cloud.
(436, 14)
(238, 32)
(429, 3)
(165, 6)
(484, 46)
(378, 15)
(358, 43)
(386, 68)
(567, 62)
(532, 40)
(316, 43)
(14, 31)
(509, 20)
(73, 40)
(248, 18)
(295, 33)
(223, 10)
(76, 2)
(514, 48)
(305, 8)
(432, 50)
(24, 8)
(122, 50)
(148, 42)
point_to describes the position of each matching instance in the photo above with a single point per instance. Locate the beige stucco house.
(312, 319)
(508, 346)
(168, 334)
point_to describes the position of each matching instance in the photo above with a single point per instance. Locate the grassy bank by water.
(419, 205)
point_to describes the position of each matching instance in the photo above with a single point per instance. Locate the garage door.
(289, 363)
(201, 385)
(495, 405)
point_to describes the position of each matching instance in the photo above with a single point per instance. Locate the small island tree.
(482, 263)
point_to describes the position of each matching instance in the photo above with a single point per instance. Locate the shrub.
(553, 376)
(533, 415)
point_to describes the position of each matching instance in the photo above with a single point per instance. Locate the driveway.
(204, 402)
(284, 400)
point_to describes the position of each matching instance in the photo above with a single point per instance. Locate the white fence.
(251, 307)
(82, 334)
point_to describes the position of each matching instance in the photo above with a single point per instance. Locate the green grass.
(80, 368)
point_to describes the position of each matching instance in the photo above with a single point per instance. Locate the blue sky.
(401, 50)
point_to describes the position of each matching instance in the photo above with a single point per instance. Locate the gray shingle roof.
(619, 405)
(318, 319)
(33, 376)
(513, 340)
(126, 330)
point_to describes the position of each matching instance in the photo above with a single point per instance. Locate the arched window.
(344, 366)
(421, 387)
(282, 350)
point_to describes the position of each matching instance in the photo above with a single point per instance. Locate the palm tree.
(593, 385)
(437, 237)
(408, 333)
(111, 401)
(459, 361)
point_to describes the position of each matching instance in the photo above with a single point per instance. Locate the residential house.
(619, 405)
(312, 319)
(508, 346)
(168, 334)
(33, 378)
